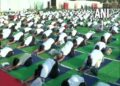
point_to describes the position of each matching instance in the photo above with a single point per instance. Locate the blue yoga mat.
(62, 70)
(90, 81)
(69, 57)
(106, 62)
(17, 51)
(36, 59)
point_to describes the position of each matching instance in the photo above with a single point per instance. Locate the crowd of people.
(56, 32)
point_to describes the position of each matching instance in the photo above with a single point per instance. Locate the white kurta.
(47, 67)
(17, 36)
(47, 32)
(47, 44)
(28, 40)
(6, 33)
(24, 58)
(39, 30)
(67, 48)
(79, 40)
(61, 37)
(5, 51)
(75, 80)
(101, 45)
(89, 34)
(97, 57)
(106, 36)
(27, 29)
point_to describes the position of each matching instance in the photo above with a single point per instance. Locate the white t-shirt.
(101, 45)
(47, 67)
(39, 30)
(115, 29)
(30, 24)
(106, 36)
(28, 40)
(89, 34)
(47, 44)
(75, 80)
(6, 33)
(24, 58)
(67, 48)
(17, 36)
(61, 37)
(96, 55)
(27, 29)
(61, 29)
(74, 32)
(47, 32)
(5, 51)
(79, 40)
(39, 25)
(10, 25)
(37, 82)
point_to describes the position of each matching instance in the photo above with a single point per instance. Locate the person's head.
(41, 48)
(102, 39)
(74, 42)
(65, 83)
(83, 84)
(15, 61)
(97, 47)
(11, 39)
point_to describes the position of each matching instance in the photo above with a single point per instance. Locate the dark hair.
(97, 47)
(37, 71)
(102, 39)
(44, 36)
(83, 84)
(89, 61)
(65, 83)
(11, 39)
(15, 61)
(41, 48)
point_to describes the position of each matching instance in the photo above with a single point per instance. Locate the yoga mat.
(69, 57)
(7, 80)
(104, 63)
(17, 51)
(62, 70)
(90, 81)
(36, 59)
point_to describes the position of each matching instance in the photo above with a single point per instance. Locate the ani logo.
(102, 13)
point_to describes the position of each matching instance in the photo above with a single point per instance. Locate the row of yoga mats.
(108, 72)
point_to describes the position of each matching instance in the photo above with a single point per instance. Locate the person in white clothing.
(48, 69)
(25, 60)
(74, 80)
(29, 41)
(45, 46)
(5, 34)
(19, 37)
(46, 34)
(114, 30)
(79, 41)
(6, 52)
(61, 39)
(101, 46)
(68, 49)
(106, 38)
(89, 35)
(94, 61)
